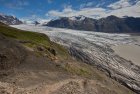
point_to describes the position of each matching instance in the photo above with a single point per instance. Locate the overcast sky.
(44, 10)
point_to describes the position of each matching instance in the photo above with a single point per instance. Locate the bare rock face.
(11, 53)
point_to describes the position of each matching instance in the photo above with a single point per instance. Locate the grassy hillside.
(35, 41)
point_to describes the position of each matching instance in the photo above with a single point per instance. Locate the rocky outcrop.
(110, 24)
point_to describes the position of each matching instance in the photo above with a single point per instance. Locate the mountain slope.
(9, 20)
(111, 24)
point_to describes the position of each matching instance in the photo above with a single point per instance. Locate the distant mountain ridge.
(110, 24)
(9, 20)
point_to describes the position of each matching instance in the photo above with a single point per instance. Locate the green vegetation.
(33, 37)
(34, 41)
(78, 70)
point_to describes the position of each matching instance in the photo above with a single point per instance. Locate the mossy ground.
(34, 40)
(79, 70)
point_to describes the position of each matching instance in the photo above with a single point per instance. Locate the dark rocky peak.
(9, 20)
(111, 24)
(112, 17)
(36, 22)
(77, 18)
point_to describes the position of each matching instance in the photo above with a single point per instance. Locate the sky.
(44, 10)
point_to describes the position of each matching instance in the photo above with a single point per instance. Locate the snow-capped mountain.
(110, 24)
(9, 20)
(77, 18)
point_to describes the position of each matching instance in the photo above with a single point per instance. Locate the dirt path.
(51, 88)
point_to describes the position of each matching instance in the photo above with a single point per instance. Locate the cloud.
(32, 18)
(120, 4)
(133, 10)
(120, 9)
(68, 12)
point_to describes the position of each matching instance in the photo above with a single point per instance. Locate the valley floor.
(129, 52)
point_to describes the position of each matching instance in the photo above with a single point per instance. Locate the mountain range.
(9, 20)
(110, 24)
